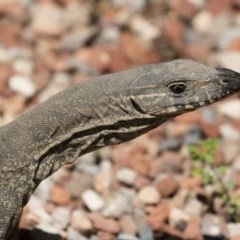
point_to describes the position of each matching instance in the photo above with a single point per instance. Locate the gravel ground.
(153, 187)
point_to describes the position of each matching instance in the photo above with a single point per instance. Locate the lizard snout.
(227, 75)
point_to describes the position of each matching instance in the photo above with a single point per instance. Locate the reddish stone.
(155, 168)
(193, 229)
(192, 183)
(183, 8)
(219, 157)
(136, 51)
(234, 45)
(105, 224)
(14, 10)
(172, 231)
(210, 130)
(237, 237)
(158, 216)
(60, 195)
(172, 161)
(195, 52)
(216, 8)
(57, 62)
(167, 186)
(140, 164)
(174, 30)
(97, 57)
(10, 34)
(6, 72)
(141, 182)
(118, 60)
(14, 104)
(105, 236)
(238, 180)
(190, 117)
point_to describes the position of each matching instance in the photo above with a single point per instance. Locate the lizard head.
(181, 86)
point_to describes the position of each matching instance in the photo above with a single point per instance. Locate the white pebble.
(127, 176)
(23, 66)
(228, 132)
(93, 200)
(203, 22)
(22, 85)
(149, 195)
(61, 217)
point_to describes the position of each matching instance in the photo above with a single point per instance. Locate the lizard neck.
(78, 120)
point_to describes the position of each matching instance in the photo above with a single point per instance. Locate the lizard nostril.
(224, 81)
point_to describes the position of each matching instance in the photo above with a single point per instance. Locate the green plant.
(203, 157)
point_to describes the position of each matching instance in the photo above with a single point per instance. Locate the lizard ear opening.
(177, 88)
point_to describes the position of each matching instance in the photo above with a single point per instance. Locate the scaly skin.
(103, 111)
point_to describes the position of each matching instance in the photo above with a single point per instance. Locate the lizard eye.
(177, 88)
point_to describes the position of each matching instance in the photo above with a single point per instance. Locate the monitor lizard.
(102, 111)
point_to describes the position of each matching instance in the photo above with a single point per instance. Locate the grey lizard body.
(106, 110)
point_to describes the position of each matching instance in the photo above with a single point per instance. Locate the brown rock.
(216, 8)
(155, 168)
(105, 224)
(189, 118)
(167, 186)
(158, 216)
(57, 62)
(141, 182)
(172, 231)
(97, 57)
(178, 129)
(128, 225)
(172, 161)
(174, 30)
(105, 236)
(192, 183)
(185, 9)
(196, 52)
(136, 51)
(235, 238)
(210, 130)
(234, 45)
(10, 34)
(13, 9)
(6, 72)
(139, 163)
(193, 229)
(60, 195)
(118, 60)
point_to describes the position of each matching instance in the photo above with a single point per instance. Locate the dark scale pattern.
(102, 111)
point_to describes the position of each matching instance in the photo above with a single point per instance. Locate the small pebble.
(23, 66)
(126, 176)
(234, 229)
(124, 236)
(81, 222)
(93, 200)
(61, 217)
(22, 85)
(73, 234)
(149, 195)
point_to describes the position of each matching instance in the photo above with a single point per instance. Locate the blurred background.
(181, 180)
